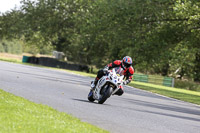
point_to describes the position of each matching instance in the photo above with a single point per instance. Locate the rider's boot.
(94, 83)
(120, 91)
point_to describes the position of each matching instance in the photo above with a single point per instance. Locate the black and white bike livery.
(108, 85)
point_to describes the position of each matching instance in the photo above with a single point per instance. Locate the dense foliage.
(162, 36)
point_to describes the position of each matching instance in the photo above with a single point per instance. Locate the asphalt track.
(136, 111)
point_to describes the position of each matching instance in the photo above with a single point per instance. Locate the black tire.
(90, 96)
(105, 95)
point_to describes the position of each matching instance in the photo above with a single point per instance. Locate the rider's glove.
(105, 70)
(125, 83)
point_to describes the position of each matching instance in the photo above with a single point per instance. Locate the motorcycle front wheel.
(106, 94)
(90, 96)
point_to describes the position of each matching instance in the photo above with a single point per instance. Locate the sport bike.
(108, 85)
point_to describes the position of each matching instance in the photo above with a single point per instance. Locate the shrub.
(13, 47)
(189, 85)
(1, 48)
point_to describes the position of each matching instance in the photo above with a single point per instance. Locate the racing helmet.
(127, 62)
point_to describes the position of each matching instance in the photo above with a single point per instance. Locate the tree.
(190, 12)
(161, 36)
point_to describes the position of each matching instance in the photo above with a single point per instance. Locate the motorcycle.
(108, 85)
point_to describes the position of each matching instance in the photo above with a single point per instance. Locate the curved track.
(135, 111)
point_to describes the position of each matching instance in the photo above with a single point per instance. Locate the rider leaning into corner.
(126, 64)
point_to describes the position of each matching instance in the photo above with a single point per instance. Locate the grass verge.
(177, 93)
(22, 116)
(10, 60)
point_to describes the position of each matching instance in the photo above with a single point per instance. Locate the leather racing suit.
(128, 74)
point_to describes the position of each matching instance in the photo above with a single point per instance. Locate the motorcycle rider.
(125, 63)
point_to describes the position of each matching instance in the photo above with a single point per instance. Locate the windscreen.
(119, 71)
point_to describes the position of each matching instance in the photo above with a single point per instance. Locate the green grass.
(18, 115)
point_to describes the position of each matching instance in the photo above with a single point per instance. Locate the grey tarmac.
(136, 111)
